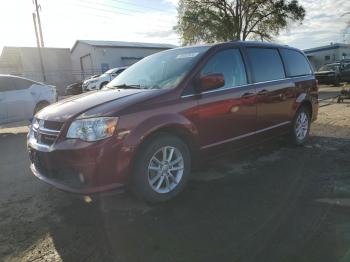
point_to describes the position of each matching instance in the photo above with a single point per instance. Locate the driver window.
(229, 63)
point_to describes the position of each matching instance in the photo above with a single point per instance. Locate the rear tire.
(336, 81)
(301, 126)
(162, 169)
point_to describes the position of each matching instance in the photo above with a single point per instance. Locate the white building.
(319, 56)
(95, 57)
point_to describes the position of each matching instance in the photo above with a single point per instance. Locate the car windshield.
(159, 71)
(333, 67)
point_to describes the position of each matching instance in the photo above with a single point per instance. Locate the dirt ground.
(273, 203)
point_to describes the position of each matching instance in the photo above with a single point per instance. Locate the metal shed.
(90, 57)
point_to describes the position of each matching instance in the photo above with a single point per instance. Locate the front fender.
(170, 122)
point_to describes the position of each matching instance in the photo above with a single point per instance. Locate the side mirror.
(209, 82)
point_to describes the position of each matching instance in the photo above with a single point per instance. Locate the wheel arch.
(103, 84)
(174, 125)
(40, 102)
(308, 105)
(173, 130)
(304, 100)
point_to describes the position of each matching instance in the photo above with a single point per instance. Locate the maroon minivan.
(146, 126)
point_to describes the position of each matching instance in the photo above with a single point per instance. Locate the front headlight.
(92, 129)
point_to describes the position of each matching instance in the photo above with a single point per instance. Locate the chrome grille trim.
(42, 136)
(46, 131)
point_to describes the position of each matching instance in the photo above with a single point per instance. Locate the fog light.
(87, 199)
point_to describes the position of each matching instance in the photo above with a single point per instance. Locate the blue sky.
(64, 21)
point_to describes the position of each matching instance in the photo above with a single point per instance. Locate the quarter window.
(6, 84)
(229, 63)
(21, 83)
(296, 63)
(266, 64)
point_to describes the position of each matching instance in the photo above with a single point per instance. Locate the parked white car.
(21, 98)
(96, 83)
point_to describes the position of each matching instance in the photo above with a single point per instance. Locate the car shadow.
(256, 205)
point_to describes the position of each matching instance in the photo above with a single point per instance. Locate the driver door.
(228, 113)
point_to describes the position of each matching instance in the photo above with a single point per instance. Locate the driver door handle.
(248, 94)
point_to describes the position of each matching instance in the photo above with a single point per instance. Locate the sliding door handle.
(263, 92)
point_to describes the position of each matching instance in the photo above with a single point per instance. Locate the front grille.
(46, 132)
(53, 125)
(44, 139)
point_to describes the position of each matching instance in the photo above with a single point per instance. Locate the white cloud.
(65, 21)
(323, 24)
(173, 2)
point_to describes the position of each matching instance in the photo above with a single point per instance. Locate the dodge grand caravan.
(147, 125)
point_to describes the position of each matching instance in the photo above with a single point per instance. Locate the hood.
(76, 105)
(92, 77)
(91, 80)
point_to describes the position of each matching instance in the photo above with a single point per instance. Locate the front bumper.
(69, 188)
(81, 167)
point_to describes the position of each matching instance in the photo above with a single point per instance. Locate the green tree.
(224, 20)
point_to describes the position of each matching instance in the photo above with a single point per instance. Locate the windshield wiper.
(125, 86)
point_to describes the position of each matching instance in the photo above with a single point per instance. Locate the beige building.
(25, 61)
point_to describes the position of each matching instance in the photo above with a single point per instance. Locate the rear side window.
(229, 63)
(6, 84)
(266, 64)
(296, 63)
(21, 83)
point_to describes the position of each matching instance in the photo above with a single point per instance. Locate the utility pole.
(37, 7)
(39, 48)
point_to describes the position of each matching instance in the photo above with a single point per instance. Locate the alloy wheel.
(165, 169)
(302, 126)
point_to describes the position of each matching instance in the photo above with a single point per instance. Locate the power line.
(92, 5)
(138, 5)
(37, 7)
(118, 12)
(39, 49)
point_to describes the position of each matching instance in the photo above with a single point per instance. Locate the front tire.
(301, 126)
(162, 169)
